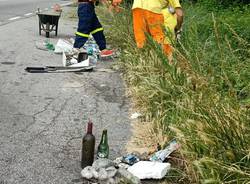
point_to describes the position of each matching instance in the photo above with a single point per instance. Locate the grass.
(202, 100)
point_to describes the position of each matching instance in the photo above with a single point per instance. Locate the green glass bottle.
(88, 147)
(103, 147)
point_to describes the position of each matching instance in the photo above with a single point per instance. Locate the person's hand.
(57, 8)
(116, 2)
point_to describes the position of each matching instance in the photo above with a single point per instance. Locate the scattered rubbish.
(118, 162)
(91, 46)
(82, 56)
(93, 59)
(58, 69)
(84, 63)
(72, 41)
(70, 60)
(103, 147)
(111, 171)
(135, 115)
(46, 45)
(87, 172)
(123, 165)
(103, 170)
(103, 163)
(130, 159)
(127, 177)
(149, 170)
(161, 155)
(88, 147)
(63, 46)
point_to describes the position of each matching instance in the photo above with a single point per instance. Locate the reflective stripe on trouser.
(89, 24)
(145, 21)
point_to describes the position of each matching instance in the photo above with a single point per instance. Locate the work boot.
(106, 53)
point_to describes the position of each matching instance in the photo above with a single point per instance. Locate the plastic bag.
(63, 46)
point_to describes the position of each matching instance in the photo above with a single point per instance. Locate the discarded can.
(130, 159)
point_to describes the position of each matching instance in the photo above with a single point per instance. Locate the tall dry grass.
(202, 100)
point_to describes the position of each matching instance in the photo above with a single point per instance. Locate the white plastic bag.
(63, 46)
(149, 170)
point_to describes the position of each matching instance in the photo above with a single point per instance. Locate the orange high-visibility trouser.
(145, 21)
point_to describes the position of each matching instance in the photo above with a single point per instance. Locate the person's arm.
(178, 11)
(180, 15)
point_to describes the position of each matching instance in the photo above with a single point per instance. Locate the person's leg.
(85, 14)
(155, 25)
(156, 29)
(139, 26)
(97, 33)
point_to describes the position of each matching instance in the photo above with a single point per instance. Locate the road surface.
(14, 9)
(43, 116)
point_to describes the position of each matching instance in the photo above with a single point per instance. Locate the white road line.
(14, 18)
(28, 14)
(66, 4)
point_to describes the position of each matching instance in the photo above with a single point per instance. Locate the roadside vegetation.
(203, 99)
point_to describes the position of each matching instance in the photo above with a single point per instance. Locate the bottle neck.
(90, 127)
(104, 139)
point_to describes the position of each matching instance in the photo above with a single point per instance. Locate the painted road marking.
(66, 4)
(14, 18)
(28, 14)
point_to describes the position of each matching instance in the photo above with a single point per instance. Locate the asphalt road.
(43, 116)
(11, 9)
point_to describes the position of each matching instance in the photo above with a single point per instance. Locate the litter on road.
(58, 69)
(131, 168)
(163, 154)
(135, 115)
(149, 170)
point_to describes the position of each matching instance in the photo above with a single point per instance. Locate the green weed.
(202, 99)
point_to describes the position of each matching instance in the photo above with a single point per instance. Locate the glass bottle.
(103, 147)
(88, 147)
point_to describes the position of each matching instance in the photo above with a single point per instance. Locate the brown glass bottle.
(88, 147)
(103, 147)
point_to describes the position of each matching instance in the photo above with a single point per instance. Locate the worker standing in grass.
(89, 24)
(151, 16)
